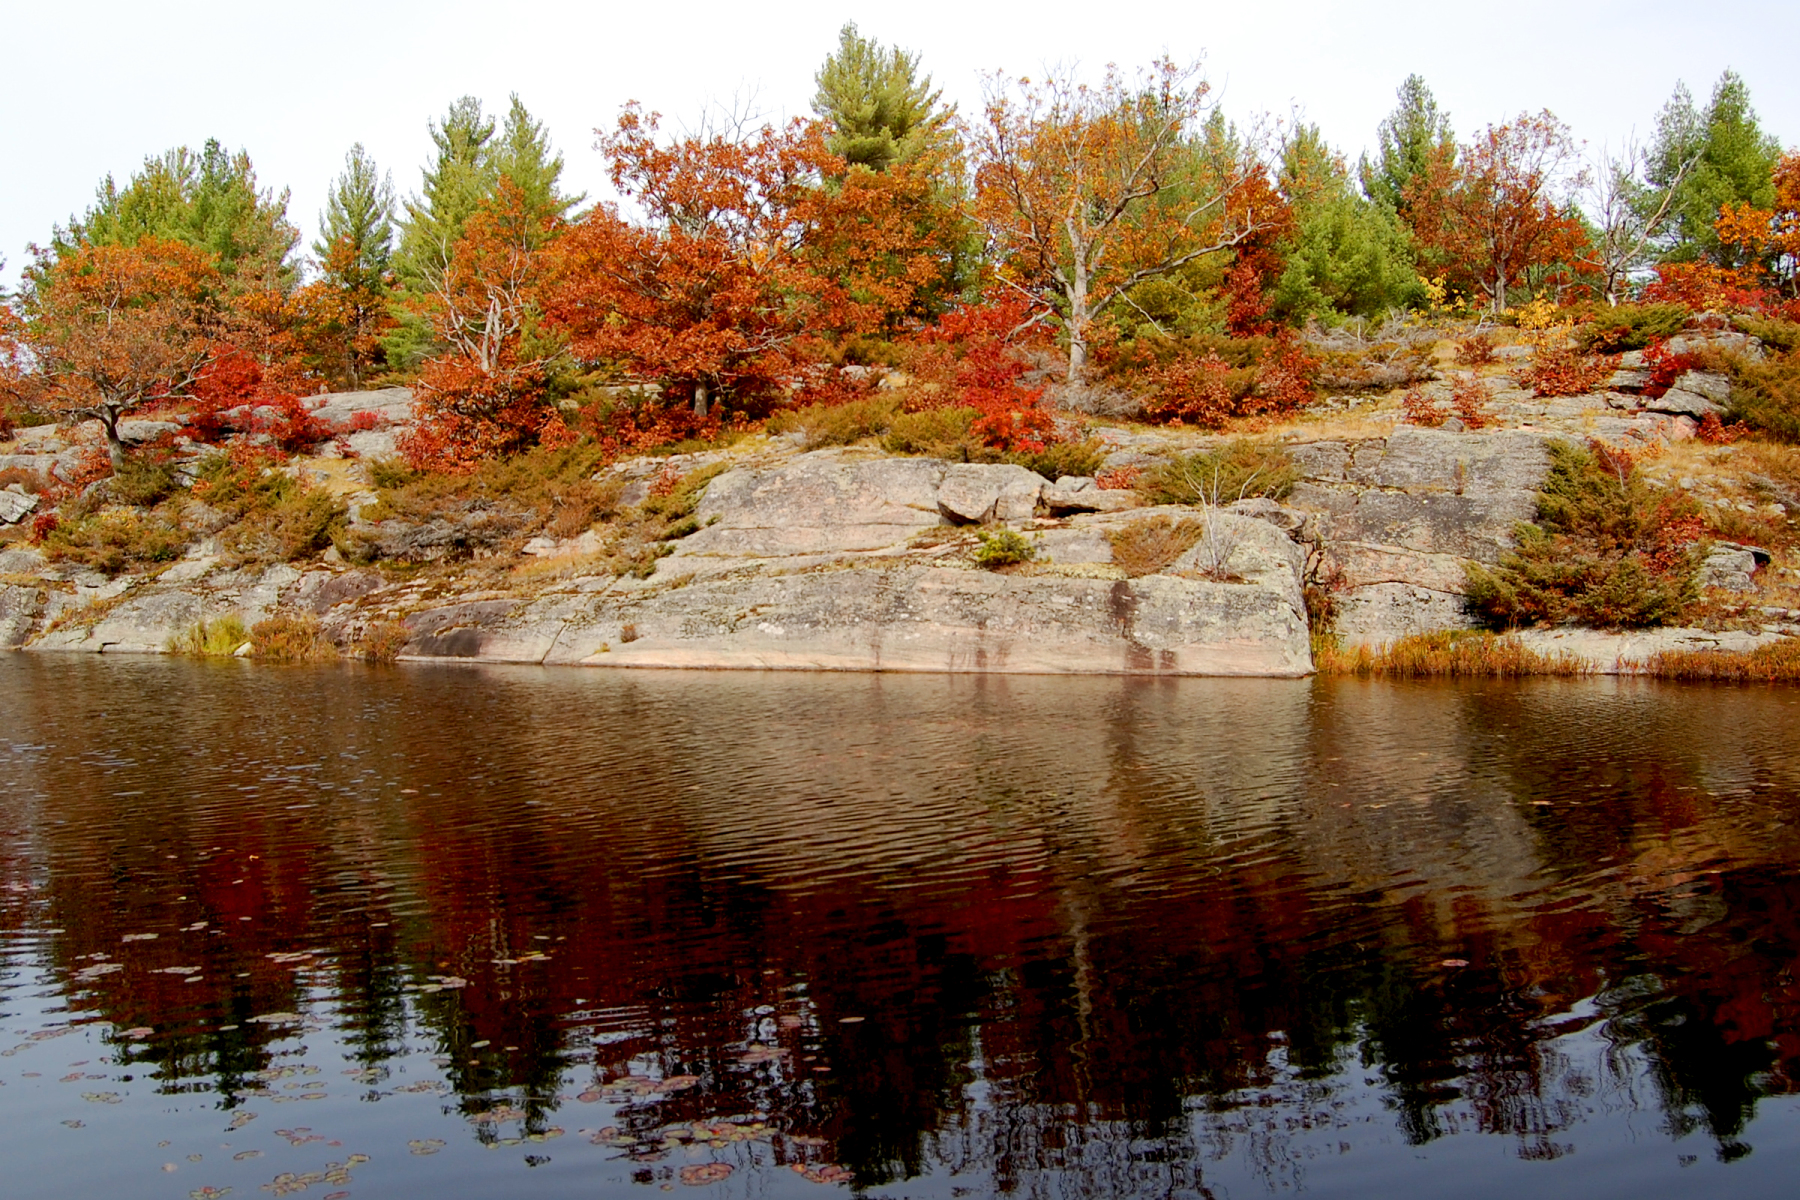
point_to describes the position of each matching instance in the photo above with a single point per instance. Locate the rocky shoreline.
(849, 559)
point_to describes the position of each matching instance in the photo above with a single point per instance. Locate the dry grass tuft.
(1147, 547)
(290, 639)
(1778, 662)
(218, 638)
(1445, 654)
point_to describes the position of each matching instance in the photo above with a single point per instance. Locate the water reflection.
(911, 936)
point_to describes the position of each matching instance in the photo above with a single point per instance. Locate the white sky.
(96, 87)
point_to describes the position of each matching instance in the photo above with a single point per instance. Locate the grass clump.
(1003, 548)
(284, 638)
(1607, 550)
(1778, 662)
(1775, 334)
(381, 641)
(1149, 546)
(837, 424)
(1235, 470)
(1444, 654)
(946, 433)
(218, 638)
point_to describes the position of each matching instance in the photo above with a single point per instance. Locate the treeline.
(1120, 229)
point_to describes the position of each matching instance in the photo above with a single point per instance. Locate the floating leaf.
(702, 1173)
(425, 1145)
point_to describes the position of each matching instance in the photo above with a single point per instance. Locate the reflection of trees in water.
(1105, 943)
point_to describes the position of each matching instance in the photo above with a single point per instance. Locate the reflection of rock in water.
(1113, 935)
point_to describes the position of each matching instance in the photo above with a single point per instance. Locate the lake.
(478, 932)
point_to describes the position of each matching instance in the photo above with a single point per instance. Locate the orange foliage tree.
(976, 357)
(344, 314)
(1493, 211)
(1088, 191)
(1771, 235)
(114, 328)
(712, 294)
(484, 393)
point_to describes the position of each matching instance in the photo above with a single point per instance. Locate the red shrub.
(1469, 398)
(1564, 371)
(1420, 409)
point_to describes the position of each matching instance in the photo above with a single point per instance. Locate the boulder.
(971, 493)
(1103, 500)
(821, 503)
(1711, 384)
(1684, 403)
(1729, 566)
(16, 506)
(21, 607)
(1386, 612)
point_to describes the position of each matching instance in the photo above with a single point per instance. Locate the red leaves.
(1565, 371)
(974, 357)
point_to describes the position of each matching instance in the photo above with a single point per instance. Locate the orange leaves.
(1086, 192)
(1771, 234)
(711, 295)
(1491, 211)
(114, 327)
(974, 356)
(484, 395)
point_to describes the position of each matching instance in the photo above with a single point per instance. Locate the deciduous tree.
(1088, 191)
(710, 293)
(112, 328)
(484, 394)
(1499, 208)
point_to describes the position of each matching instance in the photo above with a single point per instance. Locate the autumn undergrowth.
(1607, 550)
(217, 638)
(285, 638)
(1443, 654)
(1778, 662)
(1149, 546)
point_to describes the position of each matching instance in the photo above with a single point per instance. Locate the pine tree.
(461, 176)
(1345, 253)
(879, 109)
(524, 155)
(356, 238)
(1406, 140)
(1733, 162)
(209, 201)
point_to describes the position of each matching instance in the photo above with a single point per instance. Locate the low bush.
(1476, 350)
(1375, 369)
(1567, 371)
(1605, 330)
(1149, 546)
(296, 522)
(1469, 399)
(837, 424)
(1062, 458)
(946, 433)
(1235, 470)
(1606, 550)
(1778, 662)
(114, 539)
(1003, 548)
(1421, 409)
(382, 641)
(284, 638)
(1444, 654)
(218, 638)
(142, 482)
(1766, 395)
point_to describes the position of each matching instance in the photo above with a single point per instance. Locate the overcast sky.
(95, 88)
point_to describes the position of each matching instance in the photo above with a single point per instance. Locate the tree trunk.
(115, 446)
(700, 398)
(1078, 321)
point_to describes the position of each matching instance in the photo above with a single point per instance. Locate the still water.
(445, 932)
